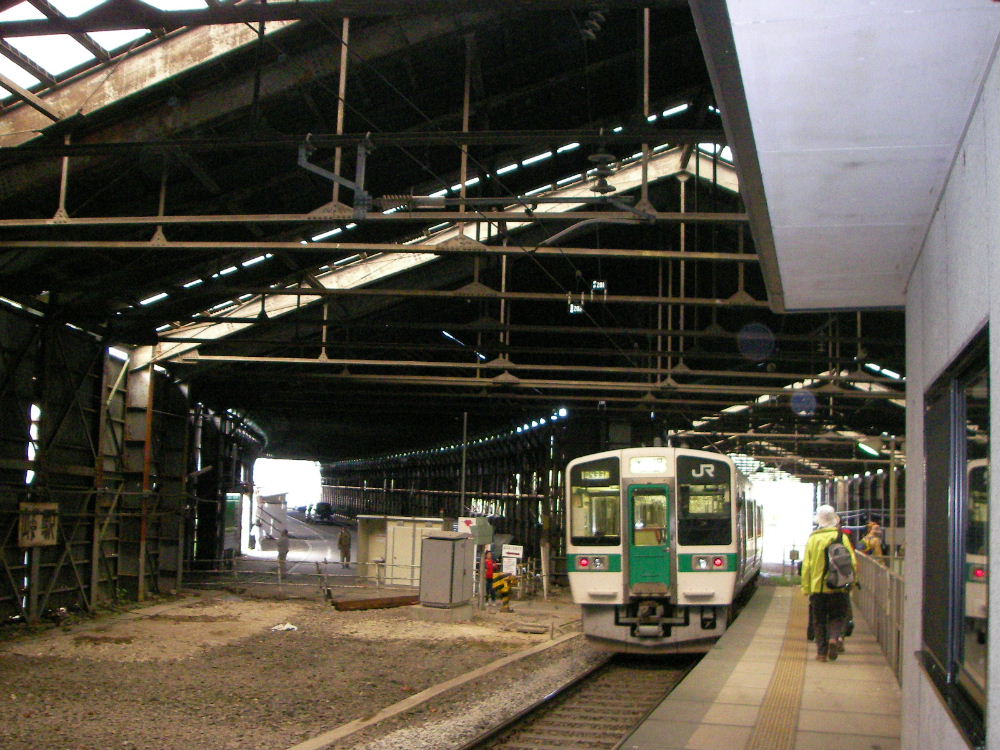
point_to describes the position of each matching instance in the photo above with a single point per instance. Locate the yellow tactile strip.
(779, 712)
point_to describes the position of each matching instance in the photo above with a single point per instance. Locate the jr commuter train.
(661, 543)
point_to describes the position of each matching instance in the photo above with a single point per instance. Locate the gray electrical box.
(446, 569)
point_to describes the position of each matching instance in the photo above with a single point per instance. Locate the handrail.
(879, 597)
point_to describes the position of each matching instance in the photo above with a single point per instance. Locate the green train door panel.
(649, 540)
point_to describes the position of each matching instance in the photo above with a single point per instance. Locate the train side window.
(595, 503)
(956, 556)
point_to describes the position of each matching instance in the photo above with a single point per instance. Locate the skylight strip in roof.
(54, 54)
(113, 41)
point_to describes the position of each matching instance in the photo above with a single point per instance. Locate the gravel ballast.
(213, 672)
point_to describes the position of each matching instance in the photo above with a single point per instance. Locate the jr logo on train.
(661, 543)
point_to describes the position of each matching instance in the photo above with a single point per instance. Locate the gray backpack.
(839, 568)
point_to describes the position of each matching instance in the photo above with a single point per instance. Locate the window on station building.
(956, 556)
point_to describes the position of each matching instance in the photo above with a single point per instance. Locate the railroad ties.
(597, 711)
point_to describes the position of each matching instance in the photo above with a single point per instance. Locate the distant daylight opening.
(284, 492)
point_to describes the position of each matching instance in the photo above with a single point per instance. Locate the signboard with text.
(38, 524)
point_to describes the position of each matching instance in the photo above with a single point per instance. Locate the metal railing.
(879, 597)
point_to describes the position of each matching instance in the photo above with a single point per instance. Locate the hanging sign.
(38, 524)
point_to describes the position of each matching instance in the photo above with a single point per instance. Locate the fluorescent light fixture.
(651, 118)
(562, 411)
(891, 374)
(438, 227)
(154, 298)
(117, 353)
(675, 110)
(350, 226)
(12, 303)
(714, 109)
(162, 328)
(193, 282)
(253, 261)
(617, 129)
(571, 178)
(868, 449)
(227, 271)
(538, 190)
(439, 194)
(568, 147)
(324, 235)
(219, 306)
(536, 158)
(508, 168)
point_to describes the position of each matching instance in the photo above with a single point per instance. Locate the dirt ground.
(212, 671)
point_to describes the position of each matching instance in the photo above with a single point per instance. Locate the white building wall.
(953, 292)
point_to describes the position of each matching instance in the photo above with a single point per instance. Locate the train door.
(649, 540)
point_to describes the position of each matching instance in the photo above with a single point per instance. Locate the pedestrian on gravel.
(489, 568)
(344, 544)
(284, 542)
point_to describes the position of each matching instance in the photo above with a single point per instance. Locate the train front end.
(652, 552)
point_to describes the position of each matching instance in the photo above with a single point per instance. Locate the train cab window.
(595, 503)
(704, 514)
(649, 513)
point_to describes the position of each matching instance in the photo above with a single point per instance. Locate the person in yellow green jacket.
(828, 606)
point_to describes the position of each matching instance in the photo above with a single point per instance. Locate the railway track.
(597, 710)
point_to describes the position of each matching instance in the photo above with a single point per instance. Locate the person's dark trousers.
(829, 617)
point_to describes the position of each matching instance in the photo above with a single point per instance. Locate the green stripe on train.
(614, 563)
(685, 563)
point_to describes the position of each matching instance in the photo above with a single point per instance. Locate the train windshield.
(595, 503)
(704, 514)
(704, 507)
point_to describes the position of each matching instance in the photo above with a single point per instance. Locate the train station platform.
(761, 688)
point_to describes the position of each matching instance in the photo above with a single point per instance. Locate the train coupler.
(709, 620)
